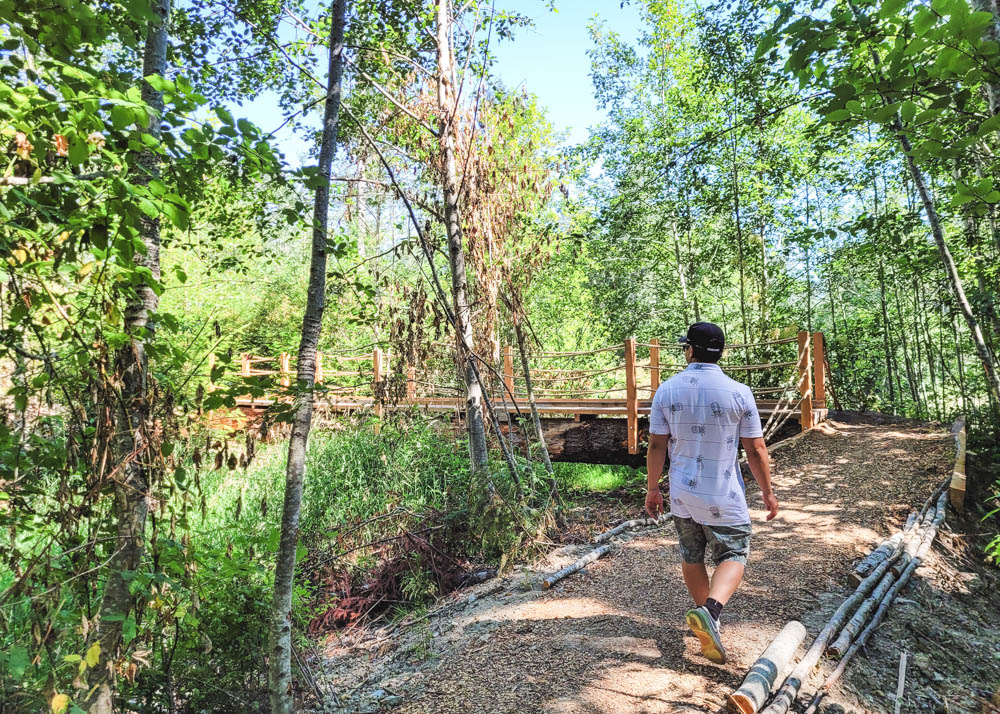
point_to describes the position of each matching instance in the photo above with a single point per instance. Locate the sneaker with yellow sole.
(706, 629)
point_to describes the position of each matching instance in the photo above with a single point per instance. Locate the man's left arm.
(656, 457)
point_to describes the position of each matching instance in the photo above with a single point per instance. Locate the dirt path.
(612, 639)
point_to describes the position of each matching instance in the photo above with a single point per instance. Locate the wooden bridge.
(606, 393)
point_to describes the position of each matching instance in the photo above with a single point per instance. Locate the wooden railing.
(610, 381)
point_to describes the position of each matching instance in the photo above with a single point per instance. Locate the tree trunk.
(992, 33)
(478, 453)
(911, 378)
(954, 279)
(739, 228)
(535, 418)
(131, 505)
(280, 650)
(680, 270)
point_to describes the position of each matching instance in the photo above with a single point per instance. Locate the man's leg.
(730, 551)
(725, 580)
(693, 542)
(696, 579)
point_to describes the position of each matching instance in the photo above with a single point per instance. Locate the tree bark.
(680, 270)
(992, 33)
(280, 650)
(475, 424)
(131, 504)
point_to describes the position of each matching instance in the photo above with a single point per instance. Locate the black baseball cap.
(705, 336)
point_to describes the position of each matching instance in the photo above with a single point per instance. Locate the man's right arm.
(760, 466)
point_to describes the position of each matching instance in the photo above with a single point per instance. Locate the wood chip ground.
(613, 639)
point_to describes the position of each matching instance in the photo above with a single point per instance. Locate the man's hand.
(654, 503)
(770, 503)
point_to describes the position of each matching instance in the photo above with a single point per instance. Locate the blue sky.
(549, 60)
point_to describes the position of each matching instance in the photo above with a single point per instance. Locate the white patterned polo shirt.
(705, 413)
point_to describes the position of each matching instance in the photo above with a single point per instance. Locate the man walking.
(699, 415)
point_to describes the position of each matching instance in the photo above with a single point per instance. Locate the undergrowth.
(389, 521)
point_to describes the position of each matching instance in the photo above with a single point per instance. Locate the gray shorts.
(728, 542)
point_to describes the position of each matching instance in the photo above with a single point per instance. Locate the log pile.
(889, 568)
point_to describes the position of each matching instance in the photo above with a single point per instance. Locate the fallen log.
(577, 566)
(757, 685)
(634, 523)
(789, 690)
(590, 440)
(925, 543)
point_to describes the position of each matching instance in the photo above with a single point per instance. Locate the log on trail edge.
(925, 543)
(635, 523)
(789, 690)
(577, 566)
(757, 685)
(872, 560)
(601, 550)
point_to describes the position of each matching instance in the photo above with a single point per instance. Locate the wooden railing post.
(819, 371)
(631, 403)
(654, 364)
(508, 370)
(318, 376)
(245, 364)
(284, 367)
(805, 382)
(411, 383)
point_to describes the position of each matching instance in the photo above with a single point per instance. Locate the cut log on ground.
(577, 566)
(757, 685)
(635, 523)
(925, 543)
(956, 487)
(873, 559)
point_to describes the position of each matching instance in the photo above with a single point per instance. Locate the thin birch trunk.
(131, 504)
(910, 373)
(280, 649)
(885, 334)
(478, 453)
(680, 270)
(739, 229)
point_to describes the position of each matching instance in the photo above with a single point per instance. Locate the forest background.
(825, 165)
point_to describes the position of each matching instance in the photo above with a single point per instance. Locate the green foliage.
(592, 478)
